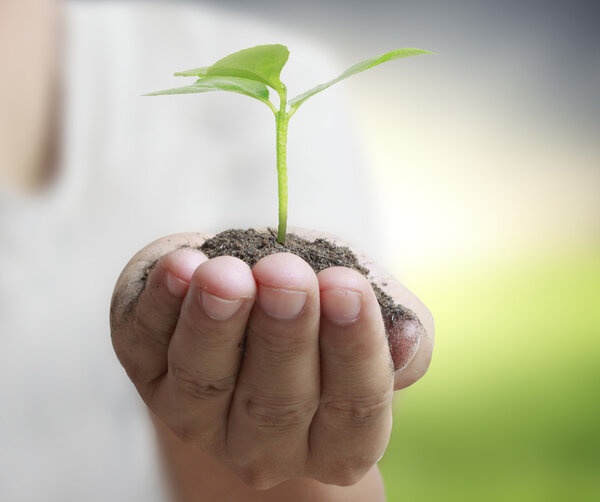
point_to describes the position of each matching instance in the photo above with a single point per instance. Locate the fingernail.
(217, 308)
(176, 286)
(341, 306)
(281, 303)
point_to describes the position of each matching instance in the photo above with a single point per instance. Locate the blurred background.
(487, 176)
(485, 164)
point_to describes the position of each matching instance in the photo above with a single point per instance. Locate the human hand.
(311, 395)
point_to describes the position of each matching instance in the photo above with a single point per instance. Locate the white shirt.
(72, 427)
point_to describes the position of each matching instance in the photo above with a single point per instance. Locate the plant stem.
(281, 119)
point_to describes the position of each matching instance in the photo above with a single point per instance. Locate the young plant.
(252, 72)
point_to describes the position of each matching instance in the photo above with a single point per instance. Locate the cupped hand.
(276, 372)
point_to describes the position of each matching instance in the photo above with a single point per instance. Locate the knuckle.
(141, 376)
(257, 477)
(145, 330)
(347, 472)
(210, 335)
(139, 373)
(359, 349)
(197, 435)
(186, 433)
(280, 348)
(279, 416)
(357, 412)
(193, 384)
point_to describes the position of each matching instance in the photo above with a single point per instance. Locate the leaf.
(357, 68)
(262, 63)
(196, 72)
(232, 84)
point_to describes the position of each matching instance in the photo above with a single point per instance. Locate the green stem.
(281, 128)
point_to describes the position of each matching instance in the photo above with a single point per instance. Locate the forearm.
(196, 477)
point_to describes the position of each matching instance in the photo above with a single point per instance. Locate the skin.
(306, 411)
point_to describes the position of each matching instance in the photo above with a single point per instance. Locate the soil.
(250, 246)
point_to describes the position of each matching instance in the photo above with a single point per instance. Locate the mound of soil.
(251, 245)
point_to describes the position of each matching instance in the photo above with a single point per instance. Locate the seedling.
(251, 72)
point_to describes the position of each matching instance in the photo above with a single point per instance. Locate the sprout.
(251, 72)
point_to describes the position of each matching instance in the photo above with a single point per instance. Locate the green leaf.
(196, 72)
(353, 70)
(232, 84)
(262, 63)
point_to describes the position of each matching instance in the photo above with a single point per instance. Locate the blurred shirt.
(134, 169)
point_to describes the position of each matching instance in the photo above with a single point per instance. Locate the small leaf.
(232, 84)
(196, 72)
(357, 68)
(262, 63)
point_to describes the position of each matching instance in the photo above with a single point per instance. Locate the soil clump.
(250, 246)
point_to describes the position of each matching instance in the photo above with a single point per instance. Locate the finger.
(142, 346)
(278, 387)
(410, 329)
(352, 425)
(410, 326)
(205, 352)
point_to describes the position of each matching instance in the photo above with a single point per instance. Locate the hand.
(309, 396)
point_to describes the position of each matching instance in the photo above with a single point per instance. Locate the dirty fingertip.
(181, 264)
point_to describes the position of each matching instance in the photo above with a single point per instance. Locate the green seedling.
(252, 72)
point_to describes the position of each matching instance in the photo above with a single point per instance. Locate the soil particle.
(250, 246)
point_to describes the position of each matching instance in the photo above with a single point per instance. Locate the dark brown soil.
(250, 246)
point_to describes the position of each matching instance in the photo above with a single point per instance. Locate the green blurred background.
(487, 175)
(509, 409)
